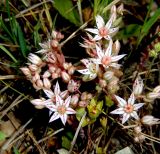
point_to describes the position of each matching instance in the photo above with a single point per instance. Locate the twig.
(74, 33)
(76, 134)
(15, 134)
(6, 77)
(31, 8)
(41, 151)
(110, 5)
(15, 102)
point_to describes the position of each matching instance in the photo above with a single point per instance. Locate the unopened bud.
(54, 43)
(84, 96)
(39, 103)
(47, 83)
(150, 120)
(102, 83)
(39, 83)
(66, 66)
(108, 75)
(157, 89)
(120, 9)
(83, 103)
(55, 75)
(35, 77)
(89, 96)
(34, 59)
(26, 71)
(33, 67)
(153, 95)
(46, 74)
(71, 70)
(116, 47)
(74, 100)
(139, 138)
(138, 86)
(65, 76)
(52, 69)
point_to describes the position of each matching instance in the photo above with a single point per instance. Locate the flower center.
(128, 108)
(103, 31)
(106, 60)
(61, 109)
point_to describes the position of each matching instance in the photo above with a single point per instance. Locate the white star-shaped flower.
(61, 109)
(106, 58)
(91, 68)
(52, 95)
(127, 109)
(103, 30)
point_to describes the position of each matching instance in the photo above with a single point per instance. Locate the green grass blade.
(8, 53)
(22, 41)
(66, 9)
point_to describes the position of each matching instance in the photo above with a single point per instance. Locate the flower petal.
(97, 37)
(118, 111)
(54, 117)
(109, 23)
(92, 76)
(99, 21)
(86, 62)
(137, 106)
(131, 99)
(99, 52)
(59, 100)
(109, 49)
(116, 58)
(57, 89)
(115, 65)
(63, 118)
(113, 30)
(49, 93)
(63, 94)
(67, 101)
(125, 117)
(92, 30)
(135, 115)
(84, 71)
(70, 111)
(121, 101)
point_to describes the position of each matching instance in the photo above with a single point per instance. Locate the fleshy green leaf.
(66, 143)
(67, 10)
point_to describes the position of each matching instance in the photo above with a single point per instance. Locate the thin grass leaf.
(66, 9)
(8, 53)
(15, 150)
(147, 26)
(22, 41)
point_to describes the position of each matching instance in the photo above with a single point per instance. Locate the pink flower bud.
(55, 75)
(54, 34)
(84, 96)
(52, 69)
(54, 43)
(138, 86)
(120, 9)
(71, 70)
(152, 95)
(108, 75)
(66, 66)
(102, 83)
(150, 120)
(38, 102)
(89, 96)
(51, 58)
(46, 74)
(47, 83)
(65, 76)
(157, 89)
(35, 77)
(26, 71)
(39, 83)
(73, 86)
(33, 67)
(34, 59)
(83, 103)
(116, 47)
(74, 100)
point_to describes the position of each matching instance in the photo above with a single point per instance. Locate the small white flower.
(45, 47)
(127, 109)
(34, 59)
(91, 69)
(106, 58)
(103, 30)
(61, 109)
(52, 95)
(138, 86)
